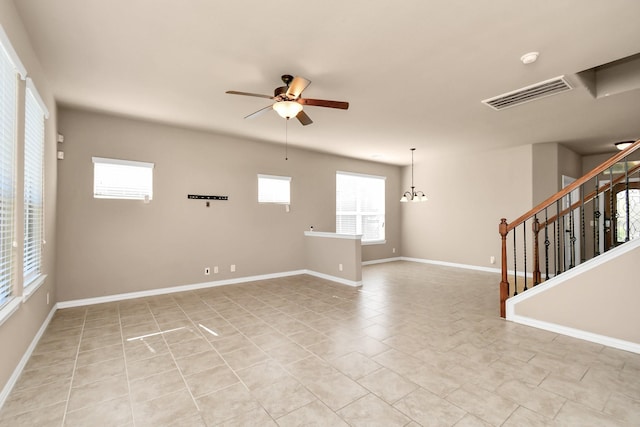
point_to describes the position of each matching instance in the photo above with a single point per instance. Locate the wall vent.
(529, 93)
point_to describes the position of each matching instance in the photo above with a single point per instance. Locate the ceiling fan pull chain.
(286, 139)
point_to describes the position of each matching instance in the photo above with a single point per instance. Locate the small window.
(122, 179)
(274, 189)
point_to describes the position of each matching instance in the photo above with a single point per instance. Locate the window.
(360, 206)
(8, 119)
(274, 189)
(35, 113)
(122, 179)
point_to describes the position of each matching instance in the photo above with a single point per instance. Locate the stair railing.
(563, 218)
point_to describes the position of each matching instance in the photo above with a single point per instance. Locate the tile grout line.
(126, 366)
(75, 364)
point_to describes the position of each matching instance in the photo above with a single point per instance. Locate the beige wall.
(325, 254)
(19, 330)
(603, 301)
(546, 180)
(109, 247)
(468, 194)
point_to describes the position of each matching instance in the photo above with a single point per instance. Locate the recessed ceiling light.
(529, 58)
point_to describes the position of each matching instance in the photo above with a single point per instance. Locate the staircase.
(596, 213)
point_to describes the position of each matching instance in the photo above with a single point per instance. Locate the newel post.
(504, 285)
(536, 253)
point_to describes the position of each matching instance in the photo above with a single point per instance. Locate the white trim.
(578, 333)
(11, 54)
(570, 274)
(334, 278)
(381, 261)
(280, 177)
(333, 235)
(8, 309)
(108, 161)
(452, 264)
(374, 242)
(364, 175)
(204, 285)
(25, 358)
(36, 95)
(173, 289)
(32, 287)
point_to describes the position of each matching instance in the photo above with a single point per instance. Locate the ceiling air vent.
(529, 93)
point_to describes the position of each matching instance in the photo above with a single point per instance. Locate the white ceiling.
(414, 71)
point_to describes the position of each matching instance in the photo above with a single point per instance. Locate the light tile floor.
(416, 345)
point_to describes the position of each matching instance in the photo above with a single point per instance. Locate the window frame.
(34, 207)
(11, 70)
(359, 212)
(135, 194)
(274, 179)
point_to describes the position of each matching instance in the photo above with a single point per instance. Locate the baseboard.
(380, 261)
(577, 333)
(25, 358)
(453, 264)
(174, 289)
(334, 278)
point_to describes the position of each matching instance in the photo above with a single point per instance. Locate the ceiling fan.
(288, 102)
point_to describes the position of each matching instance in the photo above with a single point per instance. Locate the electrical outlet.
(47, 298)
(215, 270)
(233, 268)
(492, 260)
(340, 267)
(207, 271)
(393, 250)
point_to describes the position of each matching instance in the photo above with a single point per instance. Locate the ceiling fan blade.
(235, 92)
(297, 86)
(259, 112)
(304, 118)
(324, 103)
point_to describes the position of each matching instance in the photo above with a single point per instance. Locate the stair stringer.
(595, 301)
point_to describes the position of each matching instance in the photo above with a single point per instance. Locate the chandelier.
(413, 195)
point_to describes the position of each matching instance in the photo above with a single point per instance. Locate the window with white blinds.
(33, 184)
(8, 119)
(122, 179)
(274, 189)
(360, 206)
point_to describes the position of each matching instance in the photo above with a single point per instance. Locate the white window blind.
(122, 179)
(33, 185)
(360, 205)
(274, 189)
(8, 119)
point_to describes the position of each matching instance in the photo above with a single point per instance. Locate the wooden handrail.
(589, 197)
(505, 228)
(576, 184)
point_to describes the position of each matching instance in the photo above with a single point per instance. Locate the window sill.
(374, 242)
(9, 309)
(31, 287)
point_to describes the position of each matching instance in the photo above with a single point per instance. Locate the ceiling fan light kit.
(288, 102)
(413, 195)
(287, 109)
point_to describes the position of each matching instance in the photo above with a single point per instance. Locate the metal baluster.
(524, 233)
(572, 237)
(627, 209)
(558, 248)
(583, 245)
(596, 229)
(546, 244)
(515, 265)
(596, 220)
(565, 263)
(613, 219)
